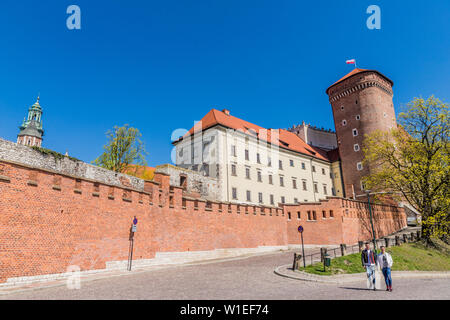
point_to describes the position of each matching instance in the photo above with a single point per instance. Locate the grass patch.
(407, 257)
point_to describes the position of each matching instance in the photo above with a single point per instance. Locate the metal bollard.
(397, 240)
(343, 249)
(386, 242)
(323, 252)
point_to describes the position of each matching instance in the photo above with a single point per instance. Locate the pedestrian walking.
(385, 262)
(368, 260)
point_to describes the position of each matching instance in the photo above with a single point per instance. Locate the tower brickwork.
(362, 103)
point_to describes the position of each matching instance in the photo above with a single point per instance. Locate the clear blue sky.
(161, 65)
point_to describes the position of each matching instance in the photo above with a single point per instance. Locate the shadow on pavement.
(364, 289)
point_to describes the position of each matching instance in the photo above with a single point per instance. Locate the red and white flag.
(352, 61)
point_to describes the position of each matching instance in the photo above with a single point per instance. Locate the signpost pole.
(132, 231)
(300, 229)
(131, 255)
(303, 252)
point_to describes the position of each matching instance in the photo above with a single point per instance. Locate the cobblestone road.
(249, 278)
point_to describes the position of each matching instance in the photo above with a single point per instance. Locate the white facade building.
(255, 165)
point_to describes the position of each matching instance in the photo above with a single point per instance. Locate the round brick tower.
(361, 103)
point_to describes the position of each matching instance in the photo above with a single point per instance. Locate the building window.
(289, 216)
(249, 198)
(324, 189)
(358, 117)
(282, 199)
(331, 214)
(258, 158)
(342, 107)
(316, 188)
(295, 200)
(247, 173)
(303, 166)
(260, 197)
(344, 122)
(246, 155)
(298, 215)
(309, 215)
(313, 168)
(314, 215)
(359, 166)
(304, 184)
(269, 162)
(355, 132)
(294, 183)
(259, 176)
(271, 199)
(233, 150)
(234, 193)
(324, 214)
(281, 181)
(233, 170)
(280, 164)
(270, 179)
(291, 162)
(323, 171)
(356, 147)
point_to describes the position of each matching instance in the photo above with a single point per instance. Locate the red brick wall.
(46, 224)
(50, 221)
(350, 222)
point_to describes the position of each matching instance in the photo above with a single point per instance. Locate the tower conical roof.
(358, 71)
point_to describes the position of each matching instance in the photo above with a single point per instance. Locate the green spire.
(32, 125)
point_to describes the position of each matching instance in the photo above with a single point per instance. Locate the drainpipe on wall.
(312, 178)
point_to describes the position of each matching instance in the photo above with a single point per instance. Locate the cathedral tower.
(362, 103)
(31, 131)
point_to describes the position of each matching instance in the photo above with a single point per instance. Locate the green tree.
(412, 162)
(124, 148)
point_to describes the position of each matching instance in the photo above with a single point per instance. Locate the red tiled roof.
(286, 139)
(356, 71)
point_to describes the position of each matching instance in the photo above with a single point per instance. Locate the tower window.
(358, 117)
(342, 107)
(356, 147)
(344, 122)
(359, 166)
(355, 132)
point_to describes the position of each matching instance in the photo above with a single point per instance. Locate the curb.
(287, 272)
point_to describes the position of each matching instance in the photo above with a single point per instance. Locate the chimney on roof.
(226, 111)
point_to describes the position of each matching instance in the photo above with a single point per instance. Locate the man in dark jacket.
(369, 260)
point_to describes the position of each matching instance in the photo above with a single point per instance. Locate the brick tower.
(31, 131)
(361, 103)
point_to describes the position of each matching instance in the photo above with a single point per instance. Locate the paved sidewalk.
(287, 272)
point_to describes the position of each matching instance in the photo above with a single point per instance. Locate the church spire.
(31, 131)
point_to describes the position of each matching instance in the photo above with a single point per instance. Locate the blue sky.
(161, 65)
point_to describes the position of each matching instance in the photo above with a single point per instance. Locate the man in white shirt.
(385, 262)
